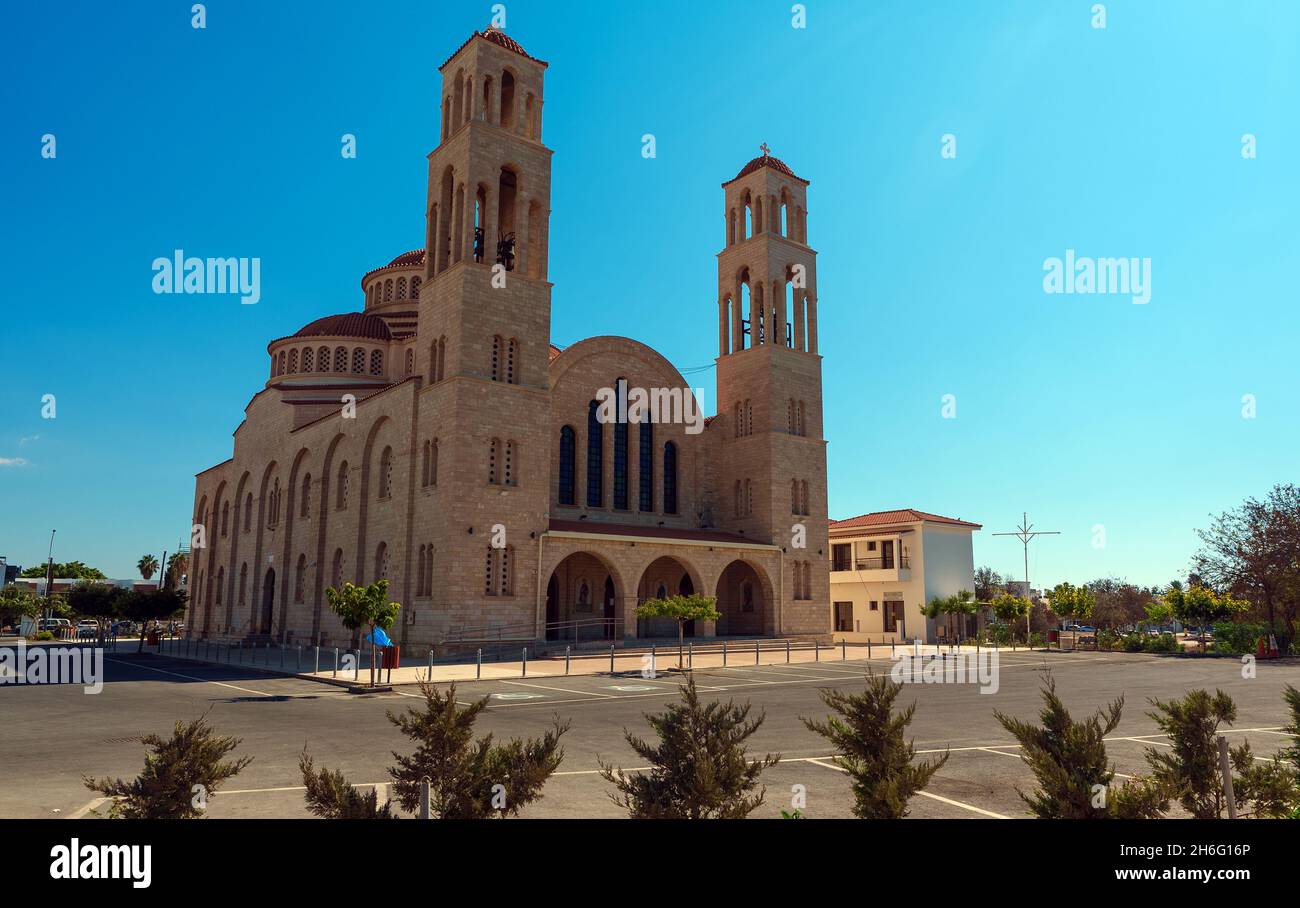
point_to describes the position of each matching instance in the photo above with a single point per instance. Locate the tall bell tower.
(484, 334)
(773, 474)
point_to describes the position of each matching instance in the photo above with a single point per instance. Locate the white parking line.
(563, 690)
(971, 807)
(160, 671)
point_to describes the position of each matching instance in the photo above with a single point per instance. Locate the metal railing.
(871, 564)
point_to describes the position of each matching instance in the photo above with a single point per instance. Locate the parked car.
(54, 624)
(87, 629)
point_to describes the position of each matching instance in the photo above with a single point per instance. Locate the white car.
(87, 629)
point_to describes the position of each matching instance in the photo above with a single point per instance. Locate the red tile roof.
(903, 515)
(765, 160)
(499, 38)
(412, 259)
(554, 352)
(621, 529)
(348, 324)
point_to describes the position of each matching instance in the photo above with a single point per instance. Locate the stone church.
(439, 440)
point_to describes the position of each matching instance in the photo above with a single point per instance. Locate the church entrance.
(268, 601)
(742, 600)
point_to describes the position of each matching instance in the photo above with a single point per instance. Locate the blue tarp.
(380, 637)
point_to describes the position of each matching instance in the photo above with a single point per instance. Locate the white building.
(885, 566)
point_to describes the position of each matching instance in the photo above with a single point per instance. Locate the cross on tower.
(763, 148)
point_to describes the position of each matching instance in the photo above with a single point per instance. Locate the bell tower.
(484, 335)
(773, 474)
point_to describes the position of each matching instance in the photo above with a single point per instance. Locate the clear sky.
(1084, 410)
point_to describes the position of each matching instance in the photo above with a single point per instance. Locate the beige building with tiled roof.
(885, 566)
(439, 440)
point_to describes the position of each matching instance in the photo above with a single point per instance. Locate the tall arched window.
(248, 512)
(243, 584)
(381, 561)
(496, 357)
(645, 466)
(401, 288)
(410, 362)
(512, 356)
(670, 478)
(419, 574)
(304, 509)
(340, 359)
(358, 361)
(803, 487)
(300, 579)
(376, 362)
(494, 451)
(426, 453)
(307, 360)
(225, 517)
(620, 445)
(386, 473)
(341, 499)
(568, 464)
(433, 470)
(595, 457)
(794, 496)
(509, 467)
(293, 360)
(336, 570)
(323, 359)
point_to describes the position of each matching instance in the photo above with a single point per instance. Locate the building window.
(512, 361)
(381, 561)
(336, 570)
(494, 450)
(842, 557)
(341, 499)
(306, 360)
(248, 512)
(670, 478)
(340, 359)
(358, 361)
(595, 458)
(386, 473)
(304, 509)
(568, 464)
(844, 616)
(620, 445)
(496, 357)
(300, 579)
(509, 466)
(645, 466)
(225, 517)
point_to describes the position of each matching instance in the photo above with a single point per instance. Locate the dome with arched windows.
(398, 281)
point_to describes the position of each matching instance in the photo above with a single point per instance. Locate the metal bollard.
(566, 660)
(336, 662)
(787, 652)
(844, 650)
(316, 670)
(281, 657)
(356, 665)
(611, 658)
(892, 645)
(756, 652)
(868, 650)
(431, 664)
(478, 670)
(524, 663)
(817, 651)
(690, 655)
(724, 653)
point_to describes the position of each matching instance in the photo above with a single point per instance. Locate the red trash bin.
(390, 656)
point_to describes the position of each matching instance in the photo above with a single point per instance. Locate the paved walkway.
(703, 655)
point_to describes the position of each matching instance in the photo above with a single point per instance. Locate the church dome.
(766, 160)
(500, 39)
(348, 324)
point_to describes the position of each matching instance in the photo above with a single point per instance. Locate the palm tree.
(147, 565)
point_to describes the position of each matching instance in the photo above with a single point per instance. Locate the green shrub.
(1165, 643)
(1133, 643)
(1237, 638)
(44, 635)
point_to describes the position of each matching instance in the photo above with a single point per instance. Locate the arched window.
(419, 574)
(568, 464)
(225, 517)
(307, 365)
(802, 426)
(341, 499)
(494, 451)
(794, 496)
(509, 473)
(645, 465)
(507, 100)
(670, 478)
(305, 507)
(496, 357)
(410, 362)
(401, 288)
(282, 365)
(300, 579)
(323, 359)
(293, 361)
(433, 362)
(442, 357)
(737, 499)
(376, 362)
(388, 290)
(386, 473)
(426, 453)
(340, 359)
(243, 584)
(358, 361)
(620, 445)
(381, 561)
(595, 457)
(433, 470)
(248, 512)
(336, 570)
(738, 421)
(512, 356)
(749, 417)
(489, 572)
(415, 287)
(803, 488)
(789, 417)
(506, 572)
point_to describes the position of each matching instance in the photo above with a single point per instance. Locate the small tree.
(330, 797)
(699, 769)
(1159, 612)
(1070, 601)
(868, 738)
(96, 600)
(364, 606)
(1068, 759)
(469, 779)
(179, 777)
(148, 566)
(681, 609)
(146, 606)
(1011, 610)
(16, 603)
(959, 603)
(1189, 768)
(1201, 606)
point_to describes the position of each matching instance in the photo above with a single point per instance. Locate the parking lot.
(54, 735)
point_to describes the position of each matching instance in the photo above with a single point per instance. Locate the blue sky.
(1083, 410)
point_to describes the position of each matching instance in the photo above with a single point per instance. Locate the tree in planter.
(1201, 606)
(959, 603)
(868, 738)
(1159, 613)
(1189, 768)
(1068, 759)
(96, 600)
(331, 797)
(1070, 601)
(144, 607)
(469, 779)
(1011, 610)
(364, 606)
(681, 609)
(179, 777)
(699, 769)
(148, 566)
